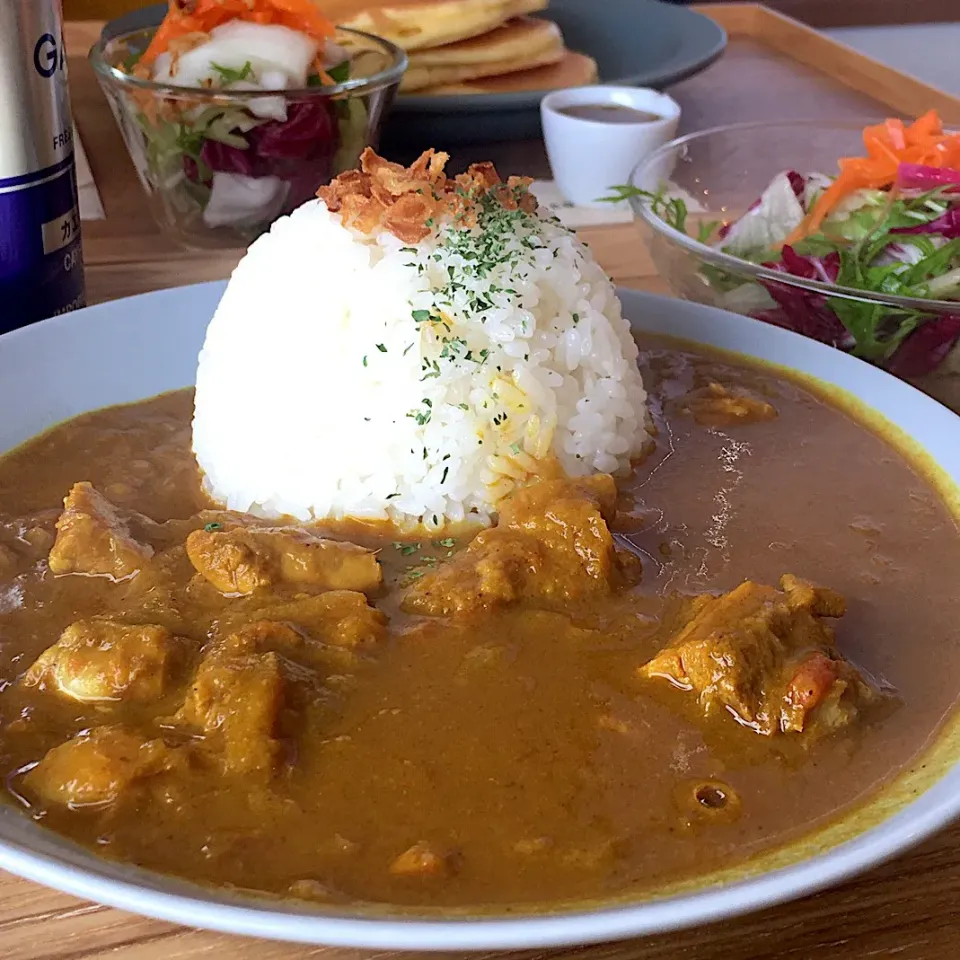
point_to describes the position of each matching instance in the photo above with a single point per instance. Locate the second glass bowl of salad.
(221, 158)
(735, 224)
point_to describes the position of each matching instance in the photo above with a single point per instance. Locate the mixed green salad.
(241, 161)
(888, 223)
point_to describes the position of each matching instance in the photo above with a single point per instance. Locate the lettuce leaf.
(770, 220)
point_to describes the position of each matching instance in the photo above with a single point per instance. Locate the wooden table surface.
(908, 909)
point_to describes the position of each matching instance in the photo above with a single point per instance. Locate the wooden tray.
(774, 69)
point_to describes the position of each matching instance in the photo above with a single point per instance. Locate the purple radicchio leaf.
(916, 176)
(309, 133)
(299, 150)
(926, 348)
(224, 158)
(802, 310)
(947, 225)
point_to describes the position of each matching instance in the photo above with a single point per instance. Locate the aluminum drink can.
(41, 266)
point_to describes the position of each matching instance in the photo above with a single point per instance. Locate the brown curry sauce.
(516, 755)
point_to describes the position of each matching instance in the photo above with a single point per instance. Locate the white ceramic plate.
(131, 349)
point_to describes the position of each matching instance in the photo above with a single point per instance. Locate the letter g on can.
(45, 55)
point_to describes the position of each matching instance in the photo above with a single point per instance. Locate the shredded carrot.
(202, 16)
(887, 145)
(319, 70)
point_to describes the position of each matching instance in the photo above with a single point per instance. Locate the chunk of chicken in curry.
(102, 660)
(766, 657)
(552, 543)
(254, 685)
(240, 560)
(96, 538)
(97, 767)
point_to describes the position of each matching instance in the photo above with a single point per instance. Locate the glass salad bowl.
(873, 282)
(219, 165)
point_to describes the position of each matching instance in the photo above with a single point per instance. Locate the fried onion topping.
(410, 201)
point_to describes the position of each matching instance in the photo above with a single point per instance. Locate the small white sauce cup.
(588, 157)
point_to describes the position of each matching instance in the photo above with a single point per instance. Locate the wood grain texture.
(859, 72)
(907, 909)
(852, 13)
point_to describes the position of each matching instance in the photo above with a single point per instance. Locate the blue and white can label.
(41, 265)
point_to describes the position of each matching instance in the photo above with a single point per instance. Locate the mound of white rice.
(353, 375)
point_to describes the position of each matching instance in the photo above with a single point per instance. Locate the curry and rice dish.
(609, 650)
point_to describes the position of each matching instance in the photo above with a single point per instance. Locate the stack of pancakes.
(470, 46)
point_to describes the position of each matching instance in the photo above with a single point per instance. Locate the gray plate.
(126, 350)
(636, 43)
